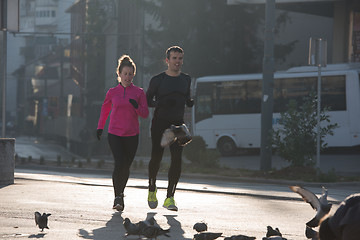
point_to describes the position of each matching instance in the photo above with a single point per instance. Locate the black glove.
(190, 102)
(98, 133)
(134, 103)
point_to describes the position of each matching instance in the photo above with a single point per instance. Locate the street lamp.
(317, 57)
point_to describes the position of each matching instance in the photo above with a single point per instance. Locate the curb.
(184, 176)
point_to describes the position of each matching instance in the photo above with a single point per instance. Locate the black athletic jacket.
(169, 95)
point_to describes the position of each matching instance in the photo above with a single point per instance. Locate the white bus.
(227, 111)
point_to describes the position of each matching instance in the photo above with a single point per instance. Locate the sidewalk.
(344, 163)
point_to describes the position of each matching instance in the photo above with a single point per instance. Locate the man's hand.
(134, 103)
(98, 133)
(190, 102)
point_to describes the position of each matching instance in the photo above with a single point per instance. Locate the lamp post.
(317, 57)
(267, 87)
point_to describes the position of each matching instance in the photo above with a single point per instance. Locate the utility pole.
(3, 65)
(267, 87)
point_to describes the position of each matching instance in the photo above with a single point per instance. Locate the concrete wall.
(7, 160)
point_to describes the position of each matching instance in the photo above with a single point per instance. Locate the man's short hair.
(173, 49)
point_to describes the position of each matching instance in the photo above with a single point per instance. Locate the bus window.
(203, 106)
(333, 93)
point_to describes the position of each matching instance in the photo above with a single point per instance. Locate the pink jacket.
(124, 119)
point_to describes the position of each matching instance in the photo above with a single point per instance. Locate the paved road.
(80, 205)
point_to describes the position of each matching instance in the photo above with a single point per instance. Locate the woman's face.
(126, 76)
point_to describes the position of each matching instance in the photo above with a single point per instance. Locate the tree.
(96, 19)
(295, 140)
(217, 38)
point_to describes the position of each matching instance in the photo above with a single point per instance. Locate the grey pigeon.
(152, 231)
(321, 205)
(206, 236)
(274, 238)
(131, 228)
(182, 134)
(311, 234)
(147, 222)
(273, 232)
(200, 227)
(176, 133)
(239, 237)
(42, 220)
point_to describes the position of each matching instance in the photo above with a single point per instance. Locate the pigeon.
(131, 228)
(311, 234)
(273, 232)
(200, 227)
(240, 237)
(143, 224)
(167, 138)
(274, 238)
(42, 220)
(206, 236)
(321, 205)
(152, 231)
(180, 133)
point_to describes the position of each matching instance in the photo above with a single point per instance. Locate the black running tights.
(157, 128)
(123, 150)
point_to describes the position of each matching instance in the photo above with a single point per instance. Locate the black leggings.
(157, 128)
(123, 150)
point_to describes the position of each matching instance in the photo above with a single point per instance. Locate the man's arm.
(150, 93)
(189, 101)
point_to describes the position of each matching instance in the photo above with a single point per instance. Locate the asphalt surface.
(80, 206)
(80, 200)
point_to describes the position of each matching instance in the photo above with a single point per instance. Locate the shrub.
(197, 153)
(295, 140)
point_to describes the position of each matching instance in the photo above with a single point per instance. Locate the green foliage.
(198, 154)
(296, 139)
(217, 38)
(94, 57)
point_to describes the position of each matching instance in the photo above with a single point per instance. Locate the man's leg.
(175, 168)
(157, 129)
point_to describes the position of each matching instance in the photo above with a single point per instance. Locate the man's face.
(175, 61)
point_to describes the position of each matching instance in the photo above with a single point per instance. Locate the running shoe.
(119, 203)
(170, 204)
(152, 200)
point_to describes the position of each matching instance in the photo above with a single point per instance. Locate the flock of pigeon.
(151, 230)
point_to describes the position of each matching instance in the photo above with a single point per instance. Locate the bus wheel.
(226, 146)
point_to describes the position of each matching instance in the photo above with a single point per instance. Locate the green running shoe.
(152, 200)
(170, 204)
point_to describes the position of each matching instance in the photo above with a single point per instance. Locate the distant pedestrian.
(168, 93)
(126, 102)
(345, 223)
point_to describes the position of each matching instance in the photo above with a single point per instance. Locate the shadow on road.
(175, 226)
(39, 235)
(112, 230)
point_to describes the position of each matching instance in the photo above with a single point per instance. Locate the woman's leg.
(124, 150)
